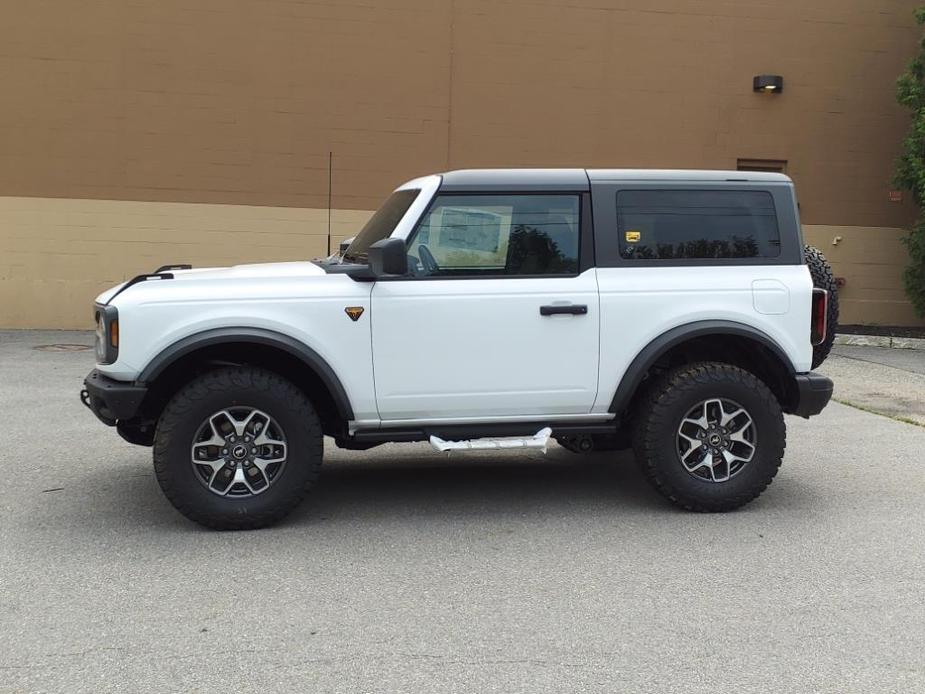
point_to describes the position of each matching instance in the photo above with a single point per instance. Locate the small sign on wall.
(896, 196)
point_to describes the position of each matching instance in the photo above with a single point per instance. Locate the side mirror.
(388, 257)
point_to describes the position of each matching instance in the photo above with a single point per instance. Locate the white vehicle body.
(463, 350)
(480, 310)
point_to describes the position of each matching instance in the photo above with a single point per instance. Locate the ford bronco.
(676, 312)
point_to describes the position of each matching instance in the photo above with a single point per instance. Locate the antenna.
(330, 181)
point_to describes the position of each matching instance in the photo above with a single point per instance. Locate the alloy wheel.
(716, 439)
(239, 452)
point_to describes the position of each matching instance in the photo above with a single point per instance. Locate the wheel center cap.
(239, 452)
(715, 439)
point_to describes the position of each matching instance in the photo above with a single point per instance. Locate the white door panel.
(480, 347)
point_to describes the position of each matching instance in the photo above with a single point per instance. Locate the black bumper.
(111, 400)
(813, 393)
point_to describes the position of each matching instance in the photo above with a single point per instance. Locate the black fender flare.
(254, 336)
(653, 351)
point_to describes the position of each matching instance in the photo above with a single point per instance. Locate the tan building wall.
(57, 254)
(133, 135)
(870, 260)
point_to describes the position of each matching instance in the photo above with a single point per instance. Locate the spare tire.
(821, 272)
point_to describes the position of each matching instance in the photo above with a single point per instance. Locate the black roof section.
(500, 180)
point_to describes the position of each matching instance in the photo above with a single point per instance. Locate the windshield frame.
(381, 224)
(427, 187)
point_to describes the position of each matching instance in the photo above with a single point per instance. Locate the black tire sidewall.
(190, 409)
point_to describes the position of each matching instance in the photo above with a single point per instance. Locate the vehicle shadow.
(395, 487)
(435, 487)
(388, 485)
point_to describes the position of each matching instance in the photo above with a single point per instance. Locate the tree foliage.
(910, 168)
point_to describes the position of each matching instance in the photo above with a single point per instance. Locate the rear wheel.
(821, 272)
(237, 448)
(709, 437)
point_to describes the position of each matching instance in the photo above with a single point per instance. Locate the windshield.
(380, 225)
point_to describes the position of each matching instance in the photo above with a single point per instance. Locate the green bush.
(910, 169)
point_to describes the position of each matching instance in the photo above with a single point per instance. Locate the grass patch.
(895, 417)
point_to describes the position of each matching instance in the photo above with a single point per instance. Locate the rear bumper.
(111, 400)
(814, 392)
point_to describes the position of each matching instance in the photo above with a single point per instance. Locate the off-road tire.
(821, 272)
(214, 391)
(655, 435)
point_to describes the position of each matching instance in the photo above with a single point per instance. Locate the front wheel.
(237, 448)
(710, 437)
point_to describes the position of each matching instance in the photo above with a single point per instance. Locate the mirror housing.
(388, 257)
(385, 258)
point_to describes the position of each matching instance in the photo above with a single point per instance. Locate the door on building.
(497, 317)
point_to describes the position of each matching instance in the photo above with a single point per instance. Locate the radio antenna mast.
(330, 180)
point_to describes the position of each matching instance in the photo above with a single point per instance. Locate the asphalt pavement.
(887, 381)
(407, 571)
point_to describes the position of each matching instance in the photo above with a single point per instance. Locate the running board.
(540, 440)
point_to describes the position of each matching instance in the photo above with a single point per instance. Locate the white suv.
(671, 310)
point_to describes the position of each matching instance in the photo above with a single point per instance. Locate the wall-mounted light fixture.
(768, 83)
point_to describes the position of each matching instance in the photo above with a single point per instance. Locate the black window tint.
(696, 224)
(380, 225)
(473, 235)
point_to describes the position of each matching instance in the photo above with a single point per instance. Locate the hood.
(265, 270)
(249, 271)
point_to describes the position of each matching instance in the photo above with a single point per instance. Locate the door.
(496, 318)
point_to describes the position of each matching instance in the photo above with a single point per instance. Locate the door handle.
(573, 309)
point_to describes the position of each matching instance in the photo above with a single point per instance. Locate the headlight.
(100, 337)
(107, 333)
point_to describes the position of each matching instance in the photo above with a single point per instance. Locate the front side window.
(380, 225)
(696, 224)
(479, 235)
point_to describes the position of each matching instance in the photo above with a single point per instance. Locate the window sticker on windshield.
(633, 236)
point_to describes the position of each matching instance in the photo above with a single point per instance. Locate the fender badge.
(354, 312)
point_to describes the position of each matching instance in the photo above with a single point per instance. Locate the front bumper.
(111, 400)
(813, 393)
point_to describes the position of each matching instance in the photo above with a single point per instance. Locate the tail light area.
(820, 311)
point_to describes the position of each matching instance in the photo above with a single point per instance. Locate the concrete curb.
(880, 341)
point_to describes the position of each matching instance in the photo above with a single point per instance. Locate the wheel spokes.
(716, 439)
(239, 451)
(726, 417)
(221, 481)
(695, 445)
(705, 461)
(223, 424)
(704, 420)
(209, 452)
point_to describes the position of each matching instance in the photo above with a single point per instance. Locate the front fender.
(257, 336)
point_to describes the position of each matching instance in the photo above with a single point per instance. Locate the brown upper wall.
(240, 102)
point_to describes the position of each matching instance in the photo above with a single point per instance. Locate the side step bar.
(364, 439)
(539, 440)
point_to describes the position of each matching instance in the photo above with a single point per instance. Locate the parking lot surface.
(407, 571)
(888, 381)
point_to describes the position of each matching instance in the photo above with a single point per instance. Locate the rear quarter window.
(697, 224)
